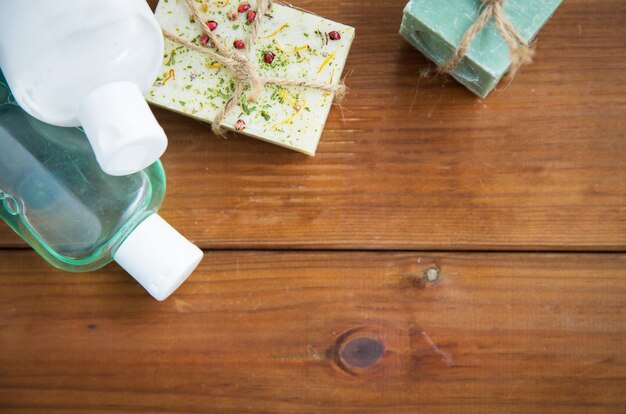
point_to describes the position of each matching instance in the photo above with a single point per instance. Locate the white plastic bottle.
(89, 63)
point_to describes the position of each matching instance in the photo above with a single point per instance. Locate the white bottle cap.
(158, 257)
(123, 132)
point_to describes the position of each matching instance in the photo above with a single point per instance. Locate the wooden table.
(441, 254)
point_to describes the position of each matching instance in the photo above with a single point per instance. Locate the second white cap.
(124, 134)
(158, 257)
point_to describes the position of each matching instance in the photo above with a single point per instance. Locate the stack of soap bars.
(291, 45)
(436, 28)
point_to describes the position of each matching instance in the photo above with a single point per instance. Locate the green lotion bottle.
(55, 196)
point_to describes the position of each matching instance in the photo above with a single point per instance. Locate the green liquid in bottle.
(55, 196)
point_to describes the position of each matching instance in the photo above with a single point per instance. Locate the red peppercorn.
(251, 15)
(204, 40)
(239, 44)
(240, 125)
(243, 7)
(212, 25)
(269, 57)
(334, 35)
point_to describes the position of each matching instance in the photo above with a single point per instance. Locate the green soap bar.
(436, 28)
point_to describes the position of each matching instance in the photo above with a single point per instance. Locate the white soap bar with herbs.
(195, 85)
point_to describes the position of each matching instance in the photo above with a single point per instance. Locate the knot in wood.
(362, 352)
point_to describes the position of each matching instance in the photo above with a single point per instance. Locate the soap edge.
(458, 78)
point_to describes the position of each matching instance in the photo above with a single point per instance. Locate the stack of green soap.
(436, 28)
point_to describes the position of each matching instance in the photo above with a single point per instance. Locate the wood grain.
(540, 165)
(406, 164)
(283, 333)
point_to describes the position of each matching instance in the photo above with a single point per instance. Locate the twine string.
(519, 50)
(240, 64)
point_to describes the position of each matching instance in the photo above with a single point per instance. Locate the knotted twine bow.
(240, 64)
(519, 51)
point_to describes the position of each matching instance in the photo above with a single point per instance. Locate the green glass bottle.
(54, 194)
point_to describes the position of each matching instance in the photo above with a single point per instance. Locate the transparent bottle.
(55, 196)
(88, 63)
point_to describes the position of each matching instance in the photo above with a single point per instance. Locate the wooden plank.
(540, 165)
(327, 332)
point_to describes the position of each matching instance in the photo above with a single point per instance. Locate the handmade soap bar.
(436, 28)
(291, 44)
